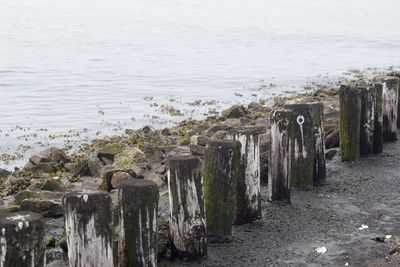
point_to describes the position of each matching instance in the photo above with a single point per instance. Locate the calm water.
(73, 64)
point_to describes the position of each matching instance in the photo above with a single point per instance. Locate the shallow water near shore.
(75, 70)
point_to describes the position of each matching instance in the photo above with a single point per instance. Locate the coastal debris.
(321, 250)
(363, 227)
(187, 214)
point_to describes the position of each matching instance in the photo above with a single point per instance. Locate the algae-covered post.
(397, 74)
(349, 126)
(138, 203)
(88, 225)
(378, 120)
(390, 108)
(221, 172)
(279, 157)
(367, 119)
(22, 240)
(187, 221)
(248, 201)
(317, 109)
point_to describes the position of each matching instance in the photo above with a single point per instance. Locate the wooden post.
(378, 120)
(390, 108)
(279, 157)
(138, 203)
(248, 201)
(397, 74)
(367, 119)
(88, 227)
(187, 221)
(307, 156)
(22, 240)
(221, 172)
(317, 109)
(349, 126)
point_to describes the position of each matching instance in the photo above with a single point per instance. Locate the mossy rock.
(52, 185)
(9, 208)
(109, 151)
(25, 194)
(236, 111)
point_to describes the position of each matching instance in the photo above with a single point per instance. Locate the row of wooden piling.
(208, 196)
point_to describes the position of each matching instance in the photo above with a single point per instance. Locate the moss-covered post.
(349, 126)
(279, 157)
(367, 119)
(22, 240)
(187, 219)
(88, 227)
(221, 172)
(248, 201)
(390, 108)
(378, 120)
(138, 203)
(317, 111)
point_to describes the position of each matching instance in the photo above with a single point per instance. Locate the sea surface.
(77, 68)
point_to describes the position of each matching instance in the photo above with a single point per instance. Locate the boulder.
(255, 106)
(107, 153)
(53, 185)
(197, 150)
(48, 208)
(4, 173)
(212, 130)
(199, 140)
(332, 139)
(220, 135)
(118, 177)
(95, 167)
(25, 194)
(129, 156)
(51, 154)
(236, 111)
(108, 175)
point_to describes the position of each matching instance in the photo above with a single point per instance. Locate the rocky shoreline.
(142, 153)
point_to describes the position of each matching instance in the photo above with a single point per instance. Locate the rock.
(80, 168)
(147, 129)
(118, 177)
(197, 150)
(220, 135)
(95, 167)
(51, 154)
(52, 185)
(128, 158)
(4, 173)
(166, 132)
(152, 153)
(255, 106)
(184, 142)
(155, 178)
(108, 175)
(108, 152)
(199, 140)
(212, 130)
(50, 241)
(231, 123)
(9, 208)
(331, 153)
(261, 122)
(41, 167)
(25, 194)
(332, 140)
(236, 111)
(48, 208)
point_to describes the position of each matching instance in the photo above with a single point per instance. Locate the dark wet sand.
(366, 192)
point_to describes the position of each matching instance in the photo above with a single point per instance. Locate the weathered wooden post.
(138, 203)
(22, 240)
(390, 108)
(317, 109)
(397, 74)
(367, 119)
(307, 154)
(279, 156)
(187, 221)
(248, 200)
(378, 120)
(349, 126)
(221, 172)
(88, 227)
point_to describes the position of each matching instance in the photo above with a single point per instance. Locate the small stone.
(52, 185)
(220, 135)
(4, 173)
(166, 132)
(332, 140)
(95, 167)
(199, 140)
(37, 159)
(197, 150)
(331, 153)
